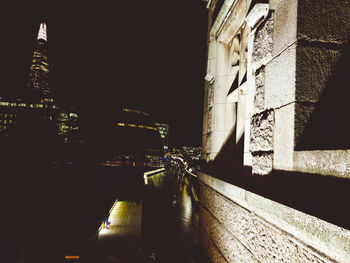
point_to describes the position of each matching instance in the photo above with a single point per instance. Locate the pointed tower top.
(42, 31)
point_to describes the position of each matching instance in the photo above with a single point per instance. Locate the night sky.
(148, 55)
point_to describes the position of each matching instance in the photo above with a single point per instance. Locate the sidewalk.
(121, 241)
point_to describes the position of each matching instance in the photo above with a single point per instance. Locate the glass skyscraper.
(38, 85)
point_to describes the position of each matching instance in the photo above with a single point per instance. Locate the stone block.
(230, 116)
(218, 139)
(314, 67)
(262, 163)
(240, 116)
(220, 89)
(208, 142)
(238, 207)
(208, 121)
(285, 26)
(212, 50)
(233, 21)
(324, 20)
(210, 96)
(261, 132)
(283, 138)
(306, 257)
(205, 123)
(228, 245)
(259, 98)
(218, 117)
(262, 48)
(247, 135)
(204, 144)
(263, 241)
(250, 94)
(335, 163)
(303, 113)
(273, 4)
(247, 159)
(212, 155)
(280, 74)
(222, 59)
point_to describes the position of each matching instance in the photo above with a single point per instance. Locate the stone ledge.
(323, 238)
(335, 162)
(232, 249)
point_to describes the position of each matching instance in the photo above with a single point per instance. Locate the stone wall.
(287, 61)
(276, 94)
(239, 226)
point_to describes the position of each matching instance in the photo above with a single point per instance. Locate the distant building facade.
(163, 129)
(17, 111)
(137, 137)
(275, 154)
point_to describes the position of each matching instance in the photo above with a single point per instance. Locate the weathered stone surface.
(274, 3)
(230, 116)
(263, 40)
(262, 163)
(232, 205)
(283, 138)
(234, 21)
(240, 123)
(220, 89)
(303, 112)
(205, 123)
(280, 79)
(208, 143)
(261, 133)
(314, 67)
(228, 245)
(218, 139)
(325, 20)
(218, 113)
(259, 99)
(210, 96)
(209, 249)
(323, 162)
(209, 120)
(264, 242)
(306, 257)
(285, 30)
(204, 145)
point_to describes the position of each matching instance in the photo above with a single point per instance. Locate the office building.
(38, 81)
(164, 134)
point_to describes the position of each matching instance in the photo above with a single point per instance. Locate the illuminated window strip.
(136, 111)
(137, 126)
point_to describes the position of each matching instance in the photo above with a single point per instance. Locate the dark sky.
(104, 54)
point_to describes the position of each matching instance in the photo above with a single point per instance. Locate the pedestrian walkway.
(121, 240)
(175, 223)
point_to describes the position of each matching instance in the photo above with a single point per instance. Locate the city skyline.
(99, 63)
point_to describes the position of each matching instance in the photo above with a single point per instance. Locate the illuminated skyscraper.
(37, 85)
(164, 134)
